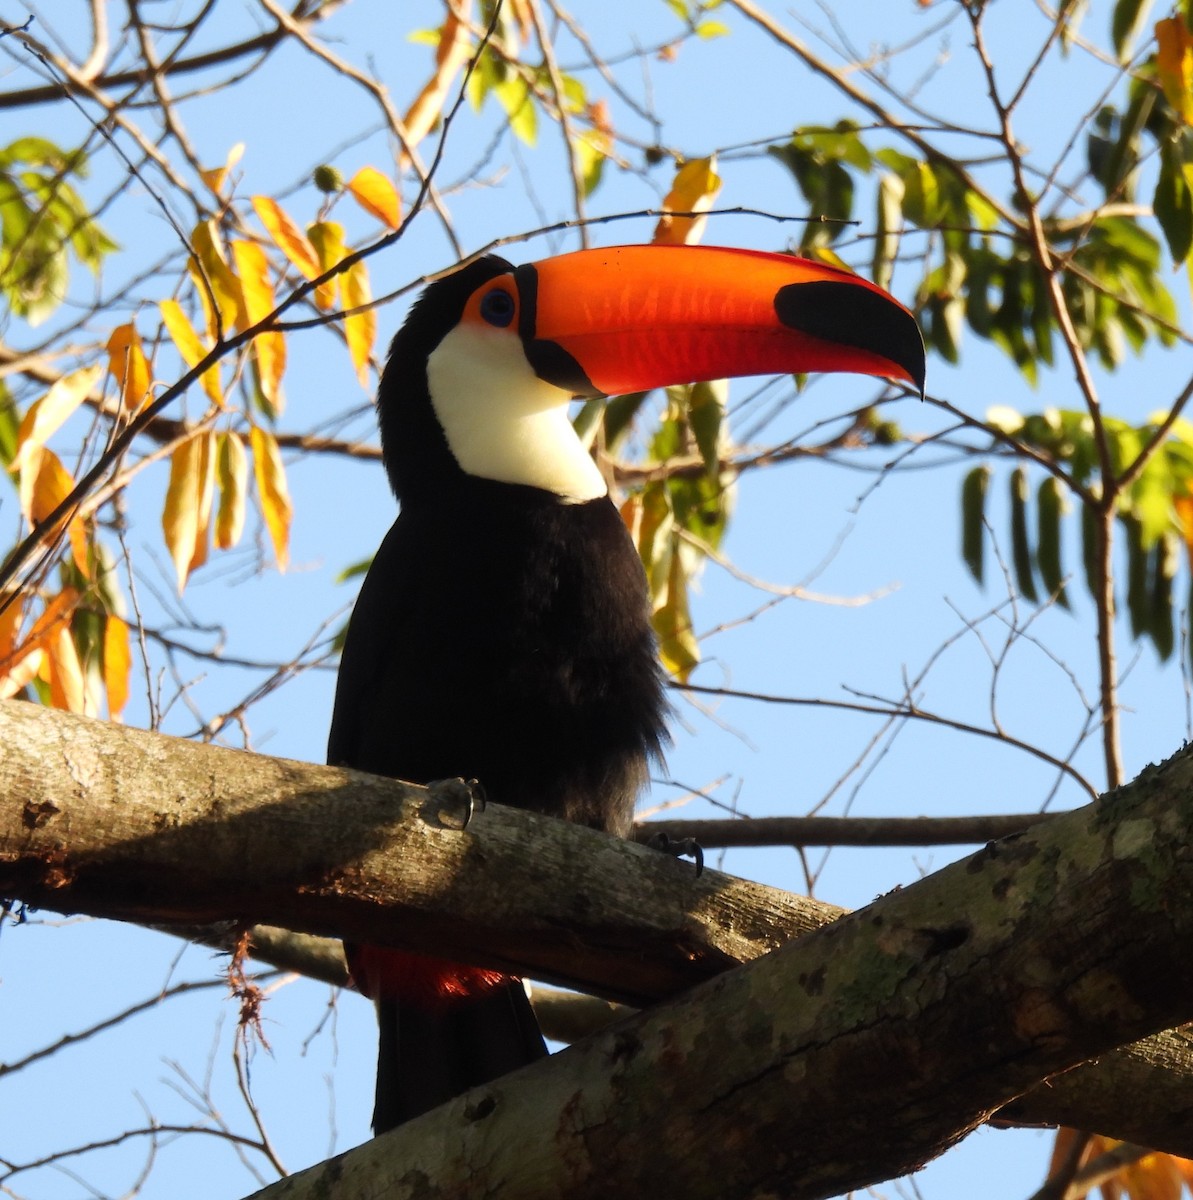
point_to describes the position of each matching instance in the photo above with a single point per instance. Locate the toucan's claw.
(679, 848)
(465, 796)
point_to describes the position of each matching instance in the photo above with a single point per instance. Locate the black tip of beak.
(847, 314)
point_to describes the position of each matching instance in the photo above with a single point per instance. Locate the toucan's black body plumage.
(503, 633)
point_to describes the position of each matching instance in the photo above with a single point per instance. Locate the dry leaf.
(126, 361)
(695, 188)
(287, 236)
(209, 269)
(328, 239)
(272, 491)
(118, 662)
(1174, 65)
(181, 513)
(377, 195)
(182, 334)
(270, 348)
(46, 416)
(232, 472)
(359, 328)
(453, 51)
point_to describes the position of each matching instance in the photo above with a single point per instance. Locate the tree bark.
(849, 1056)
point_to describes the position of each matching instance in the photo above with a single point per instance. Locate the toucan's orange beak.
(628, 318)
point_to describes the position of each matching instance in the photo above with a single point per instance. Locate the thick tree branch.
(121, 823)
(853, 1054)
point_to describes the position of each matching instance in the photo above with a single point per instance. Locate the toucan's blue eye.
(497, 307)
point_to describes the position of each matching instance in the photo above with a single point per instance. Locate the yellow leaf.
(215, 177)
(287, 236)
(68, 690)
(1174, 65)
(328, 239)
(359, 328)
(206, 491)
(17, 672)
(270, 475)
(46, 416)
(232, 473)
(184, 337)
(377, 195)
(672, 621)
(453, 51)
(695, 188)
(209, 268)
(118, 662)
(182, 512)
(126, 361)
(45, 483)
(270, 348)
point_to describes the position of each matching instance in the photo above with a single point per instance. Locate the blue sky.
(845, 529)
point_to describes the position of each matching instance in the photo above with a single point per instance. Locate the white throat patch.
(502, 421)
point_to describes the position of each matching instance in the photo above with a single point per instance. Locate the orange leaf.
(287, 236)
(46, 416)
(182, 514)
(1174, 65)
(695, 188)
(270, 348)
(126, 361)
(453, 51)
(68, 689)
(216, 177)
(184, 337)
(377, 195)
(232, 470)
(359, 328)
(272, 491)
(209, 269)
(118, 662)
(19, 665)
(45, 483)
(328, 239)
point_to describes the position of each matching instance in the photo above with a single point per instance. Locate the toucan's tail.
(430, 1053)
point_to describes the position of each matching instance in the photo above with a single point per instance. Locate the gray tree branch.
(850, 1055)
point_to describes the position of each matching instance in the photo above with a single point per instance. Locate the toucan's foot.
(459, 800)
(679, 848)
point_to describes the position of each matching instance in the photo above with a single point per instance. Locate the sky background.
(846, 529)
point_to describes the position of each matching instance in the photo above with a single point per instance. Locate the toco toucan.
(503, 632)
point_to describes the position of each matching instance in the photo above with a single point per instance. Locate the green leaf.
(706, 416)
(1020, 547)
(1050, 507)
(888, 221)
(973, 514)
(1129, 18)
(620, 412)
(515, 97)
(1173, 201)
(1138, 593)
(10, 423)
(1161, 617)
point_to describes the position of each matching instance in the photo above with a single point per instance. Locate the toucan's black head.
(413, 442)
(479, 378)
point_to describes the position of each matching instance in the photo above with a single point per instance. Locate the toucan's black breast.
(505, 636)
